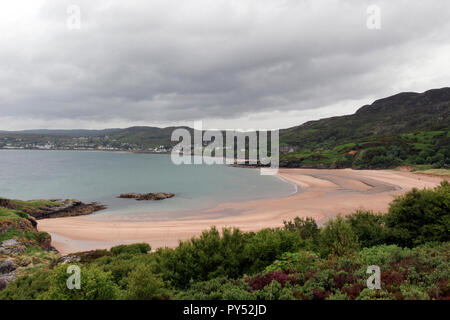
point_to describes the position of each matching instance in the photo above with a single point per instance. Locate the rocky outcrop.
(57, 209)
(147, 196)
(7, 278)
(69, 259)
(84, 256)
(12, 247)
(6, 203)
(68, 208)
(8, 265)
(8, 268)
(20, 233)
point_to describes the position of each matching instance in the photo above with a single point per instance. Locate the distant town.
(79, 143)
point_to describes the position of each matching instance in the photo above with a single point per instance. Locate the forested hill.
(401, 113)
(407, 128)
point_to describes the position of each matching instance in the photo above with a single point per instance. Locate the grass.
(11, 215)
(11, 233)
(436, 172)
(35, 204)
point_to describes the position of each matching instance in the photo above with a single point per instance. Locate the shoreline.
(324, 194)
(89, 150)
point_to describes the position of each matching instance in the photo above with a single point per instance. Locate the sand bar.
(323, 194)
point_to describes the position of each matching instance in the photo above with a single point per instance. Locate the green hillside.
(405, 129)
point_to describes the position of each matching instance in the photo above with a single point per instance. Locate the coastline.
(324, 194)
(90, 150)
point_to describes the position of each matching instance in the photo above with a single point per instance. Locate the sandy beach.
(322, 195)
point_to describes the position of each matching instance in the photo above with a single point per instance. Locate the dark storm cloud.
(157, 61)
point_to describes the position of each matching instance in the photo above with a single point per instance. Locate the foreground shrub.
(368, 227)
(28, 287)
(95, 285)
(259, 281)
(131, 249)
(275, 291)
(306, 227)
(338, 238)
(267, 245)
(217, 289)
(301, 261)
(420, 216)
(144, 285)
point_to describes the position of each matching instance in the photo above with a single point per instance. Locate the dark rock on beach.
(58, 209)
(68, 208)
(147, 196)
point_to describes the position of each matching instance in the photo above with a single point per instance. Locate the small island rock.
(147, 196)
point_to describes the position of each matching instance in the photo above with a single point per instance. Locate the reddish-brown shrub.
(319, 294)
(354, 290)
(263, 279)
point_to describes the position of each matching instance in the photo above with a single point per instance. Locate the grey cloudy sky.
(231, 63)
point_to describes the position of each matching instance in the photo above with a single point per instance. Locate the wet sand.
(322, 195)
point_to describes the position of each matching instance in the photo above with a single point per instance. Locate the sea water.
(102, 176)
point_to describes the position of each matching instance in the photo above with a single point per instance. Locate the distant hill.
(404, 129)
(147, 136)
(75, 132)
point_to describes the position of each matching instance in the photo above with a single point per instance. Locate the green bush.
(306, 227)
(206, 257)
(267, 245)
(131, 249)
(368, 227)
(337, 238)
(42, 235)
(52, 284)
(301, 261)
(96, 284)
(217, 289)
(275, 291)
(377, 157)
(144, 285)
(420, 216)
(28, 287)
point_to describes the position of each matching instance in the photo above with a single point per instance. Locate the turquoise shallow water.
(101, 176)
